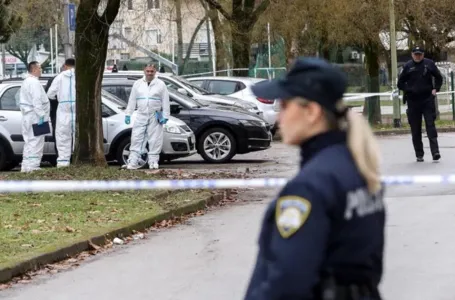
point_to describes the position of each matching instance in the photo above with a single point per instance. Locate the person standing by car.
(64, 88)
(151, 98)
(35, 107)
(416, 81)
(323, 237)
(54, 106)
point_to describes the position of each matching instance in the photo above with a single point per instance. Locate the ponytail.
(364, 149)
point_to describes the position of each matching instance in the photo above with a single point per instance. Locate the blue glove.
(41, 121)
(127, 120)
(163, 121)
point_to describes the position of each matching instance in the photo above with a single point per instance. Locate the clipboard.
(42, 129)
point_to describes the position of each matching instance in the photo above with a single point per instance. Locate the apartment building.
(150, 24)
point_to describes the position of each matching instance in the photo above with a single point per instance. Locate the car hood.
(227, 112)
(232, 109)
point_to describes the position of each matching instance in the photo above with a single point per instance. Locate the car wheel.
(123, 151)
(217, 145)
(5, 163)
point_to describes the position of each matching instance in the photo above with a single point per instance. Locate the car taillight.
(265, 101)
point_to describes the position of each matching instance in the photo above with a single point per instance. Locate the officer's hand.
(127, 120)
(41, 121)
(433, 92)
(163, 121)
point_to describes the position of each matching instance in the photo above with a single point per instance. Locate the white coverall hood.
(148, 98)
(64, 87)
(34, 105)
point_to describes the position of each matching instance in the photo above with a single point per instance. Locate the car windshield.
(191, 103)
(116, 100)
(192, 86)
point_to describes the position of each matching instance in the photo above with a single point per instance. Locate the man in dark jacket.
(416, 80)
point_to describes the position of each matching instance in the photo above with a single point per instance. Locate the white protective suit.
(64, 87)
(148, 99)
(34, 104)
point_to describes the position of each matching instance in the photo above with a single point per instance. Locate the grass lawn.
(35, 223)
(405, 125)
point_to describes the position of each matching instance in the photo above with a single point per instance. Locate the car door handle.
(3, 119)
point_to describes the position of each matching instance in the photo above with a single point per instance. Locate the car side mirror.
(175, 108)
(182, 91)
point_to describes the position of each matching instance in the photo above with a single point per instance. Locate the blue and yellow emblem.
(291, 213)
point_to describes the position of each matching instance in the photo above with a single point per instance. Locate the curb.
(277, 137)
(71, 250)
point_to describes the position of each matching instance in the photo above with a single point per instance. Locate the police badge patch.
(291, 213)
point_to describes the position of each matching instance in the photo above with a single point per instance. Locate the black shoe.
(437, 156)
(419, 158)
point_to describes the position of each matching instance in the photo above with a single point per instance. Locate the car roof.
(236, 78)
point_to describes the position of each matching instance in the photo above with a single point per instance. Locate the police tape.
(359, 96)
(41, 186)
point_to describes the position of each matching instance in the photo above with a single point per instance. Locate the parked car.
(240, 87)
(189, 89)
(179, 139)
(221, 133)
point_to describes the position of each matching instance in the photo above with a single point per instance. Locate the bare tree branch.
(219, 7)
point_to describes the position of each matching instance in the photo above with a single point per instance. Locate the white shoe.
(153, 165)
(133, 167)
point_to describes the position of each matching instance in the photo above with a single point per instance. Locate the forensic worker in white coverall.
(151, 98)
(35, 109)
(64, 87)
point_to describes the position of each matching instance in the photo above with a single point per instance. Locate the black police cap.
(311, 78)
(417, 50)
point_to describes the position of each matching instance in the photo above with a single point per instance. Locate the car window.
(10, 99)
(110, 89)
(222, 87)
(106, 111)
(112, 98)
(197, 82)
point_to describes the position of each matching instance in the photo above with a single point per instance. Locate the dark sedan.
(221, 131)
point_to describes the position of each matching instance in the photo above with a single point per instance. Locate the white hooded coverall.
(34, 105)
(148, 99)
(64, 87)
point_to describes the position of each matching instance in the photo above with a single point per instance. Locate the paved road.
(388, 110)
(211, 257)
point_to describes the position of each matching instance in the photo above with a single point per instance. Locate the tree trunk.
(220, 50)
(178, 20)
(241, 46)
(91, 44)
(190, 46)
(372, 105)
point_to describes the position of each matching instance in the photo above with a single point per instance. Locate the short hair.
(70, 62)
(32, 65)
(150, 65)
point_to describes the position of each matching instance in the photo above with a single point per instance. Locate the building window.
(124, 56)
(130, 4)
(153, 37)
(153, 4)
(128, 33)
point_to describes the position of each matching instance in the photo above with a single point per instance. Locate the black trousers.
(426, 108)
(53, 117)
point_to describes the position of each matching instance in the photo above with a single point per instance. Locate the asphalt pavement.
(211, 257)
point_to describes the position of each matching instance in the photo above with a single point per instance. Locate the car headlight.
(253, 123)
(172, 129)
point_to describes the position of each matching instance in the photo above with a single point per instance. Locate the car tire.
(123, 149)
(5, 161)
(207, 138)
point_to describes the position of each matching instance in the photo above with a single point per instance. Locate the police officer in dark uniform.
(416, 81)
(323, 236)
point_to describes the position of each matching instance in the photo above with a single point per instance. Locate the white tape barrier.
(26, 186)
(358, 96)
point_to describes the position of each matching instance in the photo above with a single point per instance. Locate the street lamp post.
(393, 52)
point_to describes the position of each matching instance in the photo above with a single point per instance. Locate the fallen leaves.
(69, 229)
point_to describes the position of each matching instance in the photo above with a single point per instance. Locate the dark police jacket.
(416, 79)
(324, 221)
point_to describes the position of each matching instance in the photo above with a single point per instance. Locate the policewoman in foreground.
(323, 236)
